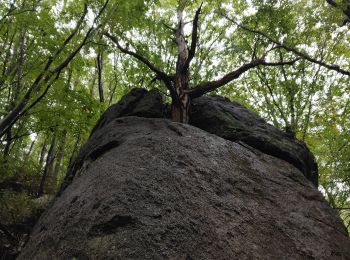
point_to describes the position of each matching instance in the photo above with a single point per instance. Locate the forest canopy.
(63, 62)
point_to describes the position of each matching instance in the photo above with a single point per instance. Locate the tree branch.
(20, 110)
(64, 64)
(293, 50)
(169, 27)
(139, 57)
(332, 3)
(195, 37)
(345, 11)
(168, 80)
(206, 87)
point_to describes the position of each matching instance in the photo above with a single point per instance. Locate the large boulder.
(138, 102)
(153, 189)
(222, 117)
(233, 121)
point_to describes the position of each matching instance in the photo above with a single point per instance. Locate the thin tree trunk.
(13, 97)
(100, 79)
(115, 80)
(48, 75)
(48, 167)
(20, 65)
(60, 155)
(42, 154)
(58, 162)
(29, 151)
(8, 139)
(75, 150)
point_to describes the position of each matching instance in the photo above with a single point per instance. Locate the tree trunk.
(180, 110)
(59, 156)
(8, 139)
(29, 151)
(42, 154)
(100, 79)
(75, 150)
(58, 162)
(48, 167)
(181, 105)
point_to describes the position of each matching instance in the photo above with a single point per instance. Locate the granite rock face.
(147, 188)
(233, 121)
(222, 117)
(138, 102)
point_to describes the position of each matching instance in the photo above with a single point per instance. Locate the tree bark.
(29, 151)
(42, 154)
(48, 167)
(75, 150)
(8, 138)
(181, 105)
(100, 79)
(60, 154)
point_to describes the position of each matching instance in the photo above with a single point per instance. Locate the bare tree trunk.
(111, 95)
(60, 155)
(58, 161)
(100, 79)
(8, 138)
(42, 154)
(75, 150)
(48, 167)
(181, 106)
(20, 65)
(13, 95)
(29, 151)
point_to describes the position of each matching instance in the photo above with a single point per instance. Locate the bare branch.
(64, 64)
(332, 3)
(169, 27)
(99, 64)
(168, 80)
(77, 26)
(162, 75)
(293, 50)
(206, 87)
(192, 50)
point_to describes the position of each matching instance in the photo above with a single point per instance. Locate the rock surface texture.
(138, 102)
(145, 188)
(232, 121)
(222, 117)
(148, 188)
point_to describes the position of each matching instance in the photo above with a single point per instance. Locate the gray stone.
(154, 189)
(138, 102)
(233, 121)
(220, 116)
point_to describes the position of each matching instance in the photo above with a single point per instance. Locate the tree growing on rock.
(179, 83)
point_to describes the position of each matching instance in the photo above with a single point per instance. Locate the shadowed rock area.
(138, 102)
(153, 189)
